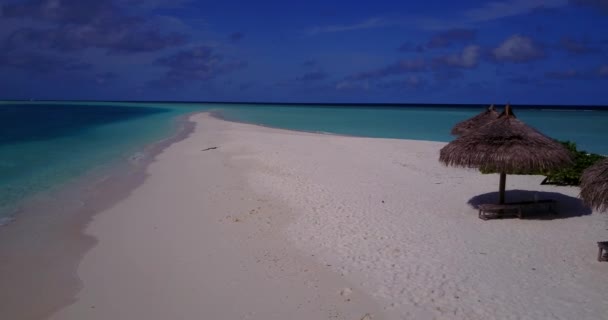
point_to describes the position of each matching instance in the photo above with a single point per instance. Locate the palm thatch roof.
(594, 186)
(506, 145)
(476, 122)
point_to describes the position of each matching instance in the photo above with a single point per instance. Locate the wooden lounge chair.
(499, 210)
(601, 255)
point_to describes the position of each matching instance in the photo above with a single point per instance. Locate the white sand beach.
(275, 224)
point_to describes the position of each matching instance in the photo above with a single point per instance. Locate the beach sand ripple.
(277, 224)
(394, 221)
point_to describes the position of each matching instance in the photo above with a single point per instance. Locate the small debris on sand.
(346, 292)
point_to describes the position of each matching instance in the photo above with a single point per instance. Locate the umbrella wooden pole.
(503, 180)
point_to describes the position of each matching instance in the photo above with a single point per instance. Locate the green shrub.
(571, 175)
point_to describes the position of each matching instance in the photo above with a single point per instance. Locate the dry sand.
(194, 242)
(286, 225)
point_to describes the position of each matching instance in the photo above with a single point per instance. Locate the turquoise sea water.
(43, 145)
(589, 129)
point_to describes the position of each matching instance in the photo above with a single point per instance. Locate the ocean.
(44, 145)
(588, 128)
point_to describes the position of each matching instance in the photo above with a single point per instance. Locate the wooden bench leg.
(599, 255)
(520, 213)
(482, 215)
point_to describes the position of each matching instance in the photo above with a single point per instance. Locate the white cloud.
(493, 10)
(503, 9)
(468, 58)
(518, 48)
(371, 23)
(487, 12)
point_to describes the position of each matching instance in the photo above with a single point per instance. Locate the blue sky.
(518, 51)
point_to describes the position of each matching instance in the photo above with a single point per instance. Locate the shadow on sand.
(567, 206)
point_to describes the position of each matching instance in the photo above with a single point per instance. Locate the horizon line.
(351, 104)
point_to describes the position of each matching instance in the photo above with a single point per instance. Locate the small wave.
(137, 157)
(6, 220)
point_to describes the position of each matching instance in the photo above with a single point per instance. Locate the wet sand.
(239, 221)
(41, 249)
(195, 241)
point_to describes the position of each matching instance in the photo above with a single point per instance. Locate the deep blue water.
(43, 145)
(21, 123)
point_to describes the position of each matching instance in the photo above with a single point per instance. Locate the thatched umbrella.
(594, 186)
(476, 122)
(506, 145)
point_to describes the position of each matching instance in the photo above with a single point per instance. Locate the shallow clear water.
(589, 129)
(43, 145)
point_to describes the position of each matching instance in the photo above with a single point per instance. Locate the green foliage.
(571, 176)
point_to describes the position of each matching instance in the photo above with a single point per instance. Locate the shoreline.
(94, 173)
(397, 223)
(210, 245)
(43, 242)
(262, 228)
(217, 114)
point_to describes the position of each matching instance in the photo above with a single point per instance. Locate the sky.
(517, 51)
